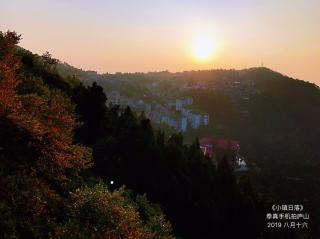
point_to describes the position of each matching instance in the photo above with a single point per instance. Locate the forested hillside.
(43, 190)
(71, 166)
(273, 117)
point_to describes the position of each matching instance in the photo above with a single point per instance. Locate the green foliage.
(152, 216)
(98, 213)
(41, 192)
(199, 200)
(47, 191)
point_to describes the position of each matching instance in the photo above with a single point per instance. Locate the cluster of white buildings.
(195, 120)
(179, 123)
(181, 103)
(115, 98)
(175, 114)
(160, 114)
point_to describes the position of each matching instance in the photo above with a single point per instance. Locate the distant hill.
(274, 117)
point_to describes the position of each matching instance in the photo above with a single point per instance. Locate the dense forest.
(273, 117)
(71, 166)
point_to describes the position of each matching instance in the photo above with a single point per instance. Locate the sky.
(145, 35)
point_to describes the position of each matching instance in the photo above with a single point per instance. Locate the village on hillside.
(176, 114)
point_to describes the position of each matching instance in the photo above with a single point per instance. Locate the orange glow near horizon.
(174, 35)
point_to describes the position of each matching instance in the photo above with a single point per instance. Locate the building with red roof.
(209, 145)
(220, 148)
(227, 144)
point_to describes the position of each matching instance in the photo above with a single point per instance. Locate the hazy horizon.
(112, 36)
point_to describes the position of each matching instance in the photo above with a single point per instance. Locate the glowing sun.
(203, 48)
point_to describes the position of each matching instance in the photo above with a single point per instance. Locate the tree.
(38, 156)
(92, 111)
(41, 192)
(98, 213)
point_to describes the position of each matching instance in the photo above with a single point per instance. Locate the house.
(227, 144)
(182, 124)
(169, 121)
(188, 101)
(114, 97)
(179, 104)
(179, 123)
(195, 121)
(220, 148)
(205, 119)
(219, 144)
(241, 165)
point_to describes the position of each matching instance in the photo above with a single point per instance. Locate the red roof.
(226, 144)
(206, 141)
(208, 145)
(221, 143)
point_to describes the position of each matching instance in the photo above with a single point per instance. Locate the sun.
(203, 48)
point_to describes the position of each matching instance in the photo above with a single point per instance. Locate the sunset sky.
(145, 35)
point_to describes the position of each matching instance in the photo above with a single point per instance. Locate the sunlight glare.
(203, 48)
